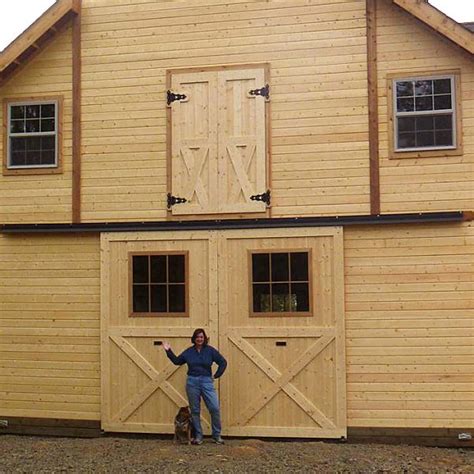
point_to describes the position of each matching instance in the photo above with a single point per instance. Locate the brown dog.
(183, 426)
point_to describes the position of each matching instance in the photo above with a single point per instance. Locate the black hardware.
(172, 200)
(264, 91)
(280, 343)
(171, 97)
(157, 343)
(265, 197)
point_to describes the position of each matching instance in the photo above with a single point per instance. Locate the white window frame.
(55, 133)
(451, 111)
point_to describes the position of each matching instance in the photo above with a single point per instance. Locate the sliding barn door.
(155, 288)
(281, 329)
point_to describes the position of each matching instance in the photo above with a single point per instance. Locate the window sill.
(31, 171)
(396, 155)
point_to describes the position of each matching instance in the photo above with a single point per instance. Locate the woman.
(199, 383)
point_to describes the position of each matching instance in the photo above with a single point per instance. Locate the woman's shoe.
(196, 441)
(218, 440)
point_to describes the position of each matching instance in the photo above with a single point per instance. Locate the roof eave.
(439, 22)
(36, 37)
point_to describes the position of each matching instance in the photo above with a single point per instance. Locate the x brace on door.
(282, 381)
(158, 380)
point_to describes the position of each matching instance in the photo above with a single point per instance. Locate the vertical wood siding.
(405, 45)
(49, 327)
(317, 52)
(40, 197)
(409, 312)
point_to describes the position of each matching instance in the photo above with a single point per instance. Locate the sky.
(17, 15)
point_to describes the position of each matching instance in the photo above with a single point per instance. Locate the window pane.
(17, 112)
(425, 139)
(32, 111)
(442, 86)
(158, 298)
(18, 158)
(48, 157)
(405, 105)
(406, 140)
(140, 269)
(18, 144)
(261, 267)
(32, 126)
(158, 268)
(140, 299)
(47, 125)
(261, 298)
(300, 297)
(177, 299)
(33, 158)
(33, 143)
(406, 124)
(280, 270)
(280, 297)
(444, 138)
(48, 143)
(47, 110)
(17, 126)
(424, 123)
(423, 88)
(424, 103)
(442, 102)
(176, 269)
(299, 266)
(405, 89)
(443, 122)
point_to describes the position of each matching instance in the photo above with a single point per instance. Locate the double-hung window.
(32, 135)
(425, 114)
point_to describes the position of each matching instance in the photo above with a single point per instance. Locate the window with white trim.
(32, 140)
(424, 113)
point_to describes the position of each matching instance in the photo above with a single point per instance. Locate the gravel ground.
(148, 454)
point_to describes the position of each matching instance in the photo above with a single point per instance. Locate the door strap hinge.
(171, 97)
(172, 200)
(264, 92)
(265, 197)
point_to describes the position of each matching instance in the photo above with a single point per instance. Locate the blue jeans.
(203, 386)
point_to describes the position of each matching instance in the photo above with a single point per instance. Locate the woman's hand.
(166, 345)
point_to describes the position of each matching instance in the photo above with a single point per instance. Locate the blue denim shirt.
(199, 363)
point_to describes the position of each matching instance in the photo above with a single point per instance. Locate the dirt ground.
(27, 454)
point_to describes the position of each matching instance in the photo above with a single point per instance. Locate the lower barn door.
(281, 329)
(155, 288)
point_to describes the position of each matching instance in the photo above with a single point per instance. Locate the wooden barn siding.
(42, 197)
(49, 326)
(317, 53)
(409, 329)
(405, 45)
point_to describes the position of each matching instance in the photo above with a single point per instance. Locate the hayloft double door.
(272, 303)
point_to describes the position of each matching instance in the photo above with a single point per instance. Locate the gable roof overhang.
(36, 37)
(439, 22)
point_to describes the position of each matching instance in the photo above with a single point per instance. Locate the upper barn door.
(194, 143)
(282, 332)
(218, 141)
(155, 287)
(242, 140)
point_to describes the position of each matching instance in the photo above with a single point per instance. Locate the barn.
(296, 177)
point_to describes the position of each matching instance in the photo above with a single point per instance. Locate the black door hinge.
(171, 97)
(264, 92)
(265, 197)
(172, 200)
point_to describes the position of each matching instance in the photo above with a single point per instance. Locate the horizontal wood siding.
(405, 45)
(409, 313)
(49, 327)
(41, 198)
(316, 52)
